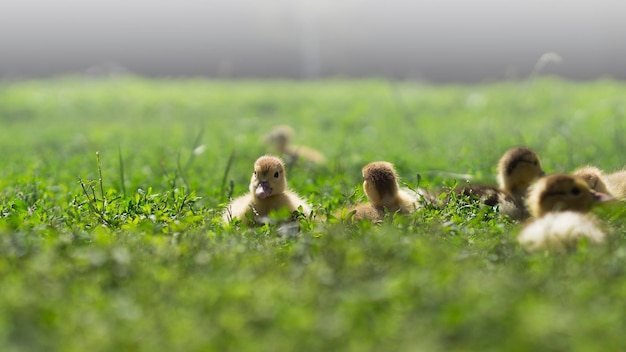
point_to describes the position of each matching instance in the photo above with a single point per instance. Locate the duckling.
(613, 183)
(380, 183)
(268, 192)
(518, 168)
(384, 194)
(281, 137)
(559, 204)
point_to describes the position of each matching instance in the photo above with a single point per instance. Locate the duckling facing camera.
(268, 192)
(560, 204)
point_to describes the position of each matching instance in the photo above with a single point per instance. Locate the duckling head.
(280, 137)
(518, 168)
(380, 182)
(562, 192)
(268, 178)
(593, 176)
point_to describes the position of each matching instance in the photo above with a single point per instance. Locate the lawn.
(111, 193)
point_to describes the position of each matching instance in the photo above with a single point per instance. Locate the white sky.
(247, 36)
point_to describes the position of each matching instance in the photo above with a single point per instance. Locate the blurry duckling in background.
(613, 183)
(268, 192)
(518, 168)
(281, 137)
(384, 194)
(559, 204)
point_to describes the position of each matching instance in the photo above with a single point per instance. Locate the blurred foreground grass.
(149, 267)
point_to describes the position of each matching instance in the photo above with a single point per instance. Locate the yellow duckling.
(613, 183)
(281, 137)
(559, 203)
(518, 168)
(384, 194)
(268, 192)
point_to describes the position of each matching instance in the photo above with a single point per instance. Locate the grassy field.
(111, 192)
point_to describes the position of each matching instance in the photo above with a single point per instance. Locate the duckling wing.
(293, 201)
(238, 208)
(512, 207)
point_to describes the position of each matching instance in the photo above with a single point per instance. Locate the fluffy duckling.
(613, 183)
(518, 168)
(559, 203)
(281, 137)
(380, 184)
(268, 192)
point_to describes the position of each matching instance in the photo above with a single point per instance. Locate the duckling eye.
(276, 174)
(535, 163)
(575, 191)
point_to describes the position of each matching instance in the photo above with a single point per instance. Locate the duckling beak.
(600, 197)
(263, 190)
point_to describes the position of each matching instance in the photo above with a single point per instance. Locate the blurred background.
(437, 41)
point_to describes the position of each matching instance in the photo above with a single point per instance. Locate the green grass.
(110, 233)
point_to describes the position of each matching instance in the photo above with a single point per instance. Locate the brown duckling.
(560, 204)
(281, 137)
(613, 183)
(384, 194)
(518, 168)
(268, 192)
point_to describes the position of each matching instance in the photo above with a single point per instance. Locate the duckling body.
(559, 231)
(268, 192)
(518, 168)
(364, 211)
(281, 137)
(559, 204)
(380, 184)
